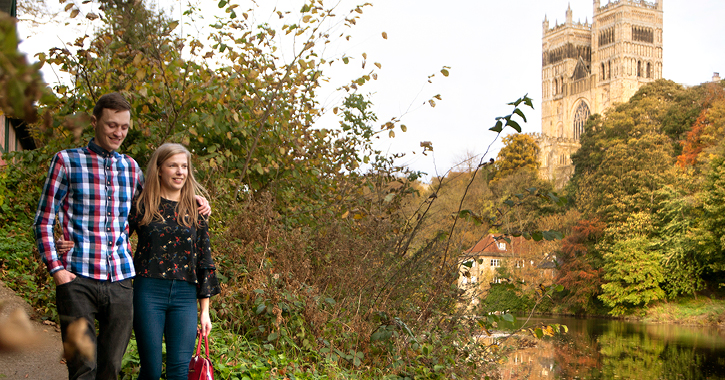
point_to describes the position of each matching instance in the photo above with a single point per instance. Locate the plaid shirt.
(90, 189)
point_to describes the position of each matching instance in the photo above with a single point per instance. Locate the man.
(91, 190)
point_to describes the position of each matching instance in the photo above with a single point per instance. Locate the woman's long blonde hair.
(150, 197)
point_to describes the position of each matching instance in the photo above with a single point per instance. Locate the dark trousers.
(164, 309)
(111, 304)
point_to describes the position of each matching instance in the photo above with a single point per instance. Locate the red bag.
(200, 367)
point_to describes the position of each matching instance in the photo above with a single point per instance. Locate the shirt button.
(108, 183)
(110, 243)
(108, 167)
(109, 214)
(109, 198)
(108, 229)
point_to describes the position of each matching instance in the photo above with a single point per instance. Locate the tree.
(632, 268)
(520, 152)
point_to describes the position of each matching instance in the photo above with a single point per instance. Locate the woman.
(173, 265)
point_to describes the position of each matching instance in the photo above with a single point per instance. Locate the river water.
(610, 349)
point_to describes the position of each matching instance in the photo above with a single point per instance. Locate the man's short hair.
(114, 101)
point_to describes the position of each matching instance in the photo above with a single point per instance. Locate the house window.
(495, 263)
(502, 246)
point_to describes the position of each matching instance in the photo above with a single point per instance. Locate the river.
(612, 349)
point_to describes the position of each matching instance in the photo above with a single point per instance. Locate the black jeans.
(111, 303)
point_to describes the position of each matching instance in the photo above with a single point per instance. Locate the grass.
(690, 311)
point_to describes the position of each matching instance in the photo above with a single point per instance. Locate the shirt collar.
(93, 147)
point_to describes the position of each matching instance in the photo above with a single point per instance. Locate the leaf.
(260, 308)
(498, 128)
(508, 318)
(389, 198)
(173, 25)
(306, 18)
(346, 60)
(520, 113)
(385, 35)
(68, 7)
(222, 3)
(74, 13)
(391, 134)
(514, 125)
(444, 72)
(403, 128)
(378, 65)
(432, 102)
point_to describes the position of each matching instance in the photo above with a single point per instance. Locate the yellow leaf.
(391, 134)
(365, 55)
(173, 25)
(334, 110)
(137, 59)
(358, 216)
(140, 74)
(378, 65)
(444, 72)
(68, 6)
(91, 16)
(74, 13)
(432, 103)
(403, 128)
(306, 18)
(345, 214)
(385, 35)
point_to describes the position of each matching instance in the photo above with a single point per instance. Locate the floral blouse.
(167, 250)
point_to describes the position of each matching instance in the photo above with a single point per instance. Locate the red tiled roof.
(488, 246)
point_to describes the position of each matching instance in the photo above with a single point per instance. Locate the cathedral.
(586, 68)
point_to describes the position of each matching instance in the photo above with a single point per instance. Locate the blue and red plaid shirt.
(90, 189)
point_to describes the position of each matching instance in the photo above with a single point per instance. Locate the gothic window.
(602, 77)
(581, 114)
(609, 69)
(639, 69)
(649, 70)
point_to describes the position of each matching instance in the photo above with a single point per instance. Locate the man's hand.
(63, 246)
(204, 207)
(63, 276)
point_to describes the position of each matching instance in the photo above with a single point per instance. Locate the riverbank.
(702, 311)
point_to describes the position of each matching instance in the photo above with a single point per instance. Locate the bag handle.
(198, 346)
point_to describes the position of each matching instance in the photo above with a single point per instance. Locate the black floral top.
(171, 251)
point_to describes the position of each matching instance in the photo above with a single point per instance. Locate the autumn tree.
(519, 153)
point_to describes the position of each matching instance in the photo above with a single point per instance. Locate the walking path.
(42, 362)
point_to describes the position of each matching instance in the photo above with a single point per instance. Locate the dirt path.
(40, 363)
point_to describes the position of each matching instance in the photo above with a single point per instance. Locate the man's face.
(111, 128)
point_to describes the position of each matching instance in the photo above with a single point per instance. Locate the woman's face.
(173, 173)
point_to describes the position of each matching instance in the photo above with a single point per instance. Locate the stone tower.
(586, 68)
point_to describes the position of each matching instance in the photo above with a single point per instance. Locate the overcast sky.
(493, 49)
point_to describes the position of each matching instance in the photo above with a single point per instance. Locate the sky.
(493, 49)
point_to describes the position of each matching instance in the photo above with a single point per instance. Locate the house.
(14, 136)
(498, 258)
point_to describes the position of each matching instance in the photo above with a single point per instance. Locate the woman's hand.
(63, 246)
(205, 324)
(204, 320)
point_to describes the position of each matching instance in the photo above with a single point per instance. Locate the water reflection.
(605, 349)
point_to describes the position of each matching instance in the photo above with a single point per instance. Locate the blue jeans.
(164, 309)
(109, 303)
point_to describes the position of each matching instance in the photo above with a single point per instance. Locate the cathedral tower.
(586, 68)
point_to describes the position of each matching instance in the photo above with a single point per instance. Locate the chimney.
(716, 77)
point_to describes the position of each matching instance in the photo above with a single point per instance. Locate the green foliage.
(520, 152)
(506, 297)
(633, 274)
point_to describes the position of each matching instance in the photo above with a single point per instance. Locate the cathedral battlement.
(657, 5)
